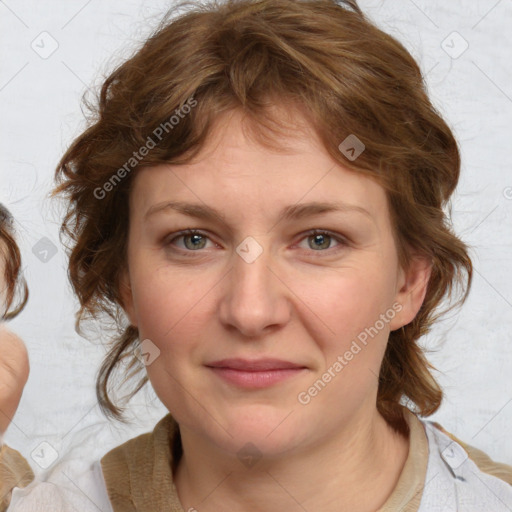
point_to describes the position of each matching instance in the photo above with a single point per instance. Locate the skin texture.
(302, 300)
(14, 362)
(14, 371)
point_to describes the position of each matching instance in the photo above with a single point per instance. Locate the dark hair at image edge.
(323, 60)
(16, 292)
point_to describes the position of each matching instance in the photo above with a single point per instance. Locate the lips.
(257, 373)
(256, 365)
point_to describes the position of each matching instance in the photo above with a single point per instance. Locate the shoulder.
(14, 472)
(130, 470)
(461, 477)
(139, 449)
(484, 463)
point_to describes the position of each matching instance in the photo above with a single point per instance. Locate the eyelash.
(343, 242)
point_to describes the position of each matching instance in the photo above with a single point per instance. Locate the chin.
(262, 428)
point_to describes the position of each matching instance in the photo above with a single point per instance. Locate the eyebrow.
(296, 211)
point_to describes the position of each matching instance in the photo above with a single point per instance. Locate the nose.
(255, 299)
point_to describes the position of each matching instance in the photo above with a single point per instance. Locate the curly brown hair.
(329, 62)
(15, 295)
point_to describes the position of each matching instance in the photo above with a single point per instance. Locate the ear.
(411, 290)
(125, 291)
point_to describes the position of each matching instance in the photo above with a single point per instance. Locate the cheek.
(170, 311)
(350, 336)
(347, 303)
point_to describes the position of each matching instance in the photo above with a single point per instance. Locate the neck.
(354, 470)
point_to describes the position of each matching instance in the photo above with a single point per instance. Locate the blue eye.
(321, 240)
(197, 239)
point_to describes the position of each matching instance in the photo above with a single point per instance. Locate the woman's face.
(253, 284)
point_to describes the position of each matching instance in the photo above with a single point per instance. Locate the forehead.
(235, 171)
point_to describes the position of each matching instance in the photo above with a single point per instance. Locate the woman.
(259, 204)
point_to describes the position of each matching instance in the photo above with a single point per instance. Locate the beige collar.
(406, 495)
(138, 473)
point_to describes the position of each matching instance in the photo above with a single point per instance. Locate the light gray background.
(40, 112)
